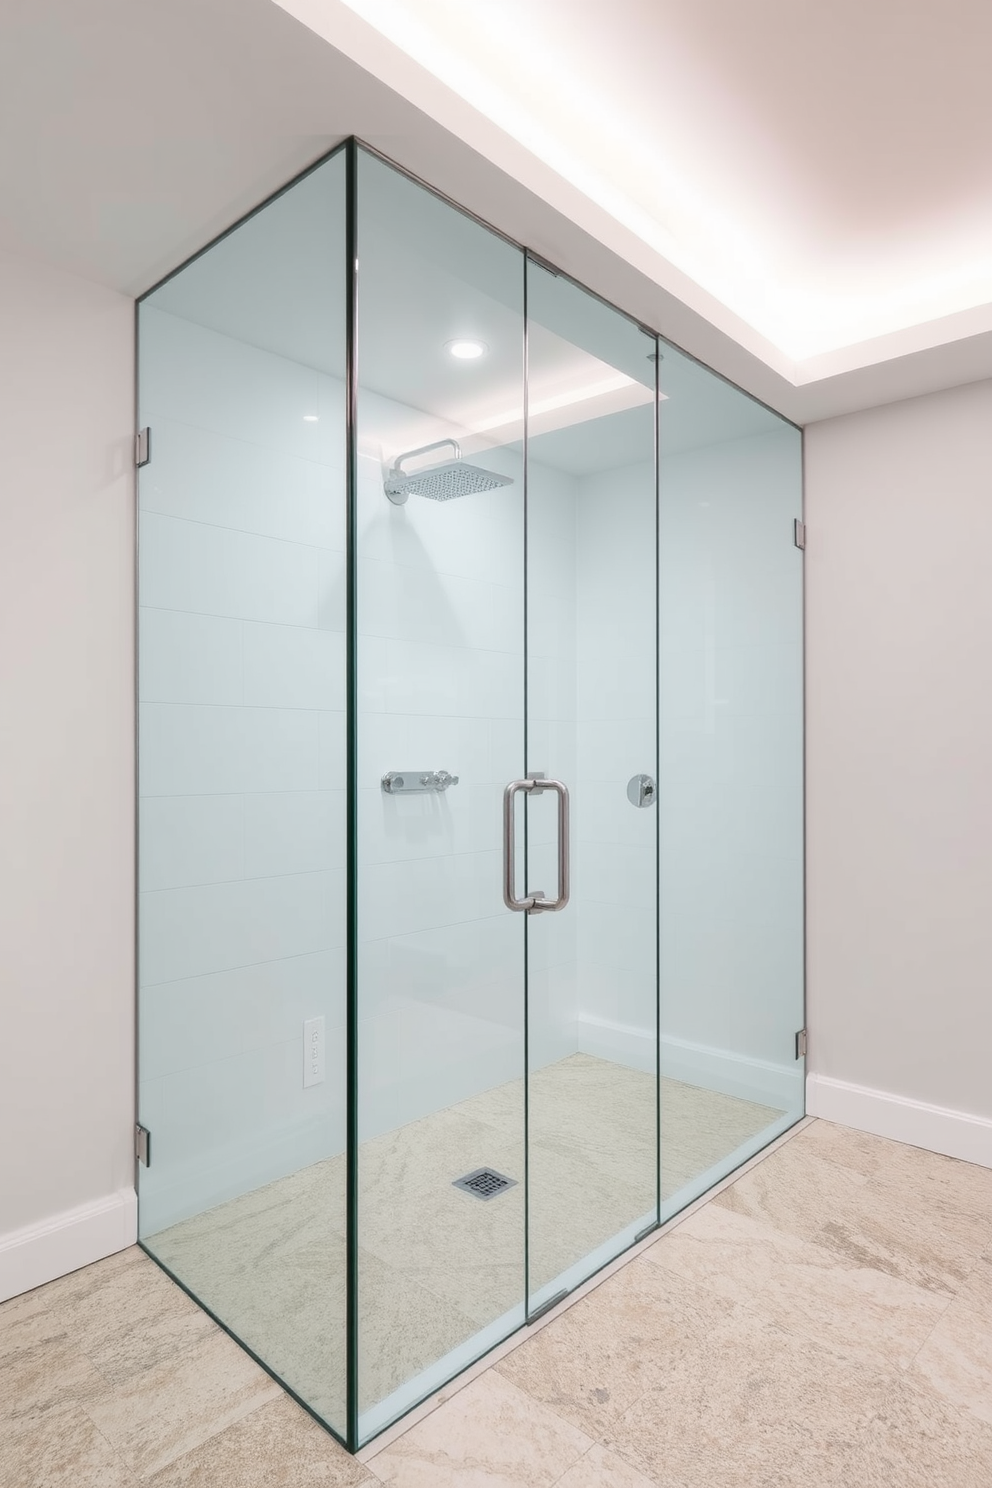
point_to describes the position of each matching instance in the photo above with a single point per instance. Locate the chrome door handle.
(536, 903)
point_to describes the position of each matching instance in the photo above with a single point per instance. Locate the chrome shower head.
(442, 482)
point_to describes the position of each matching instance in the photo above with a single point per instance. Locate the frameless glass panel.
(241, 769)
(439, 531)
(591, 723)
(730, 785)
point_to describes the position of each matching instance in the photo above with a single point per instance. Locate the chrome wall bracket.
(417, 782)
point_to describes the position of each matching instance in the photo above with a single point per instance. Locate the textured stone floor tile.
(956, 1360)
(40, 1380)
(751, 1406)
(160, 1413)
(918, 1440)
(127, 1315)
(601, 1468)
(855, 1309)
(64, 1451)
(277, 1446)
(24, 1322)
(489, 1435)
(633, 1332)
(727, 1252)
(793, 1191)
(804, 1194)
(928, 1177)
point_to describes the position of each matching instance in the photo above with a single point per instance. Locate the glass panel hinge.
(142, 447)
(799, 533)
(801, 1044)
(143, 1145)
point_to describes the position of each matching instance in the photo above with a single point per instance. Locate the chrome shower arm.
(425, 449)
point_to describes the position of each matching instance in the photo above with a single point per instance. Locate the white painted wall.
(66, 773)
(899, 787)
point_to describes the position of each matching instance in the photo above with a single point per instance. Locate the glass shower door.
(592, 724)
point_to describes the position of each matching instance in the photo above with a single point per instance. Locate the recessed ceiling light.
(311, 418)
(466, 351)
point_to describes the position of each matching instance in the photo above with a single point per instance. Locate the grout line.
(495, 1356)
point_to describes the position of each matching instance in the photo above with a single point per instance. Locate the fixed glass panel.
(730, 781)
(440, 728)
(242, 783)
(592, 724)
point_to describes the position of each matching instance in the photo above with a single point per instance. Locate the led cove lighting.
(466, 351)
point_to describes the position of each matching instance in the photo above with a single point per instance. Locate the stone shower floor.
(436, 1265)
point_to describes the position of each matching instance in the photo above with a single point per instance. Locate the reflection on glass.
(242, 927)
(591, 722)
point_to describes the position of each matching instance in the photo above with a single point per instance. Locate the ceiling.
(798, 194)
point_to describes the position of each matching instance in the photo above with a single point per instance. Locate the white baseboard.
(62, 1243)
(777, 1085)
(953, 1133)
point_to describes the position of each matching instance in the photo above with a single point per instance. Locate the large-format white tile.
(214, 927)
(187, 840)
(186, 658)
(293, 832)
(188, 750)
(402, 898)
(216, 571)
(288, 666)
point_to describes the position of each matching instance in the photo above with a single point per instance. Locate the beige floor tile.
(700, 1128)
(40, 1380)
(26, 1321)
(489, 1435)
(861, 1221)
(916, 1440)
(800, 1286)
(64, 1451)
(628, 1335)
(728, 1252)
(601, 1468)
(956, 1360)
(927, 1178)
(277, 1446)
(125, 1314)
(162, 1412)
(750, 1406)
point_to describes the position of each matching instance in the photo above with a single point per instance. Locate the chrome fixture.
(641, 790)
(442, 482)
(416, 782)
(535, 903)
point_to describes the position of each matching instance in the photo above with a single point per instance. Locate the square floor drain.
(485, 1183)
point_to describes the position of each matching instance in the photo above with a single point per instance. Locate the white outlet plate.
(313, 1052)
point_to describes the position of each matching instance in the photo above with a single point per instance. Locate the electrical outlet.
(313, 1052)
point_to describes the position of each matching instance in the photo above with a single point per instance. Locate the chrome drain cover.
(485, 1183)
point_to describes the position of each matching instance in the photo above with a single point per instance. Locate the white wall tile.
(187, 750)
(287, 666)
(190, 840)
(293, 832)
(213, 571)
(216, 927)
(186, 658)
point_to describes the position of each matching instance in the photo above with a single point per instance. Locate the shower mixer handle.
(416, 782)
(535, 903)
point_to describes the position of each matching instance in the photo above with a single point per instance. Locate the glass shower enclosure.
(470, 778)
